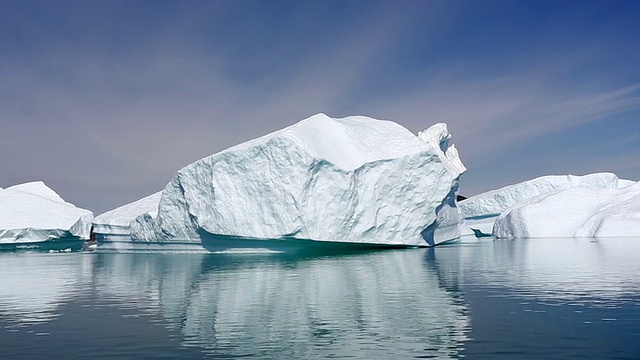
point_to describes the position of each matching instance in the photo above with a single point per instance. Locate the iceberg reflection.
(363, 305)
(34, 286)
(552, 268)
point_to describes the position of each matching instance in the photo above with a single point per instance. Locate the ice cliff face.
(32, 212)
(574, 212)
(482, 210)
(355, 179)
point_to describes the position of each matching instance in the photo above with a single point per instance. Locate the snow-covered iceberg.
(355, 179)
(574, 212)
(481, 211)
(32, 212)
(117, 222)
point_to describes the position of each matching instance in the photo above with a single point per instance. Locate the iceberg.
(353, 180)
(574, 212)
(481, 211)
(116, 223)
(32, 213)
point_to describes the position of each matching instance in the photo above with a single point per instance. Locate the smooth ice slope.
(355, 179)
(117, 222)
(574, 212)
(482, 210)
(32, 212)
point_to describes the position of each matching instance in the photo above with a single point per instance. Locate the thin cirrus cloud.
(515, 130)
(106, 102)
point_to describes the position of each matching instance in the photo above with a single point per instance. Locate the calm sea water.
(519, 299)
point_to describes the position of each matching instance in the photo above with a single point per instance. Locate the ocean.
(476, 299)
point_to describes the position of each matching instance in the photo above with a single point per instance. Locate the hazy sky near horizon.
(105, 100)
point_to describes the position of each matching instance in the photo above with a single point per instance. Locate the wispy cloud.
(108, 117)
(108, 128)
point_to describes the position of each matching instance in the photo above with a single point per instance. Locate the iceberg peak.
(37, 188)
(438, 137)
(366, 139)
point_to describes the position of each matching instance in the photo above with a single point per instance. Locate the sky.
(105, 100)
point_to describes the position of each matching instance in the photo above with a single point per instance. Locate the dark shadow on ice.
(237, 244)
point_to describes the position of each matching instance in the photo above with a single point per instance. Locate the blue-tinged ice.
(356, 180)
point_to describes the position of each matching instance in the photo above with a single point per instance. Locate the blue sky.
(105, 100)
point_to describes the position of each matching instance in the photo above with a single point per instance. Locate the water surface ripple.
(546, 298)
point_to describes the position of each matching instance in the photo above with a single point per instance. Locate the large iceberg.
(356, 180)
(574, 212)
(32, 212)
(481, 211)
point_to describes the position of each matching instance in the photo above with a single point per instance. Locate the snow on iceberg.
(574, 212)
(117, 222)
(355, 179)
(481, 211)
(32, 212)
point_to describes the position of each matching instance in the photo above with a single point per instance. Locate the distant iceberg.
(481, 211)
(352, 180)
(574, 212)
(116, 223)
(32, 213)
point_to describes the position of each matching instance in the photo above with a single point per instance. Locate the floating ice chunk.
(355, 179)
(482, 210)
(574, 212)
(32, 212)
(117, 222)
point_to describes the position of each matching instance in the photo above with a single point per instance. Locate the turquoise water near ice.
(477, 299)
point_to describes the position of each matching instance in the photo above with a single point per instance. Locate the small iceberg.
(574, 212)
(115, 225)
(481, 211)
(32, 214)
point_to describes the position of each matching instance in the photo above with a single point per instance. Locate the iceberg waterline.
(355, 179)
(594, 205)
